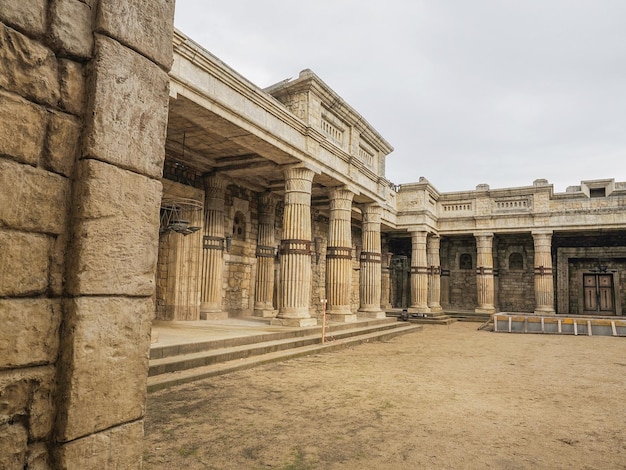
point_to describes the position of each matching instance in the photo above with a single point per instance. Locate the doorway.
(599, 295)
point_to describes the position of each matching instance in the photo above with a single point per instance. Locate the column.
(213, 248)
(444, 277)
(484, 273)
(295, 250)
(544, 282)
(370, 261)
(339, 256)
(264, 290)
(419, 273)
(385, 283)
(434, 273)
(87, 306)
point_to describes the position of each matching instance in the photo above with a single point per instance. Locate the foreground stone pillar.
(419, 273)
(295, 250)
(116, 193)
(339, 256)
(213, 248)
(434, 273)
(264, 291)
(484, 273)
(370, 272)
(544, 282)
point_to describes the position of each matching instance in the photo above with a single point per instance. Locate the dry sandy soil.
(446, 397)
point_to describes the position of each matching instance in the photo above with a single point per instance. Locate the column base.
(418, 309)
(435, 308)
(297, 322)
(213, 315)
(371, 314)
(544, 311)
(342, 317)
(265, 313)
(489, 310)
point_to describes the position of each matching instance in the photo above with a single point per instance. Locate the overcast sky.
(467, 91)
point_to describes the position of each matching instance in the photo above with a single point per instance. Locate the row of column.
(295, 254)
(426, 273)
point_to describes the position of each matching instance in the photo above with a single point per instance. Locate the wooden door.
(598, 294)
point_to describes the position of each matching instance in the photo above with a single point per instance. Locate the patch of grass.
(298, 463)
(187, 451)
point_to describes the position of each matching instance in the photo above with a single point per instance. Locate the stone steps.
(470, 316)
(174, 365)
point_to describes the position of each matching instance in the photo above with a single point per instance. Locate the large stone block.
(72, 86)
(13, 446)
(127, 111)
(28, 68)
(115, 245)
(32, 199)
(105, 344)
(144, 25)
(23, 128)
(116, 448)
(37, 457)
(29, 17)
(26, 395)
(70, 29)
(30, 331)
(61, 147)
(24, 263)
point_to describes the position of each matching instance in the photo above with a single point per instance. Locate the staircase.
(178, 364)
(469, 316)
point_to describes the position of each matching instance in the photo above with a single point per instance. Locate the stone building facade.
(141, 177)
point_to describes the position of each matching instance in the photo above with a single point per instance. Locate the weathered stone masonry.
(83, 110)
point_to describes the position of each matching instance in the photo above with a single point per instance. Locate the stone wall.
(83, 107)
(462, 281)
(515, 283)
(241, 224)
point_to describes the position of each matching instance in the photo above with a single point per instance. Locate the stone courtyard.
(447, 397)
(142, 178)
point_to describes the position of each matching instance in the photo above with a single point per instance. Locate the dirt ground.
(446, 397)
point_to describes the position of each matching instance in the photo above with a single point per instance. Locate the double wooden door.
(599, 294)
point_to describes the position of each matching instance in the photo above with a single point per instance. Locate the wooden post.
(323, 319)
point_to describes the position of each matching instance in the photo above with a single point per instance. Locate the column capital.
(214, 181)
(267, 202)
(542, 232)
(483, 234)
(372, 212)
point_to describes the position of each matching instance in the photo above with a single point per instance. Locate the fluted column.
(484, 273)
(434, 273)
(385, 282)
(339, 256)
(444, 278)
(264, 288)
(213, 248)
(370, 263)
(419, 273)
(544, 282)
(295, 250)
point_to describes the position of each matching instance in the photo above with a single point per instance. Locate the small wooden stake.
(323, 319)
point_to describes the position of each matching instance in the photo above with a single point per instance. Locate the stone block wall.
(515, 285)
(319, 229)
(463, 294)
(83, 110)
(240, 258)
